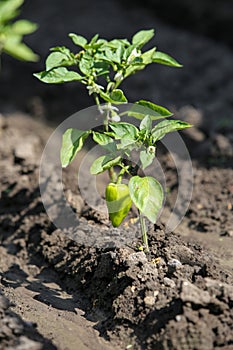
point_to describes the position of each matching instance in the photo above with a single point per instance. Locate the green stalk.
(143, 231)
(112, 175)
(97, 101)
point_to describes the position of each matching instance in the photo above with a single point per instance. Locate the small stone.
(223, 145)
(27, 148)
(138, 257)
(192, 294)
(133, 289)
(175, 264)
(168, 282)
(149, 300)
(178, 318)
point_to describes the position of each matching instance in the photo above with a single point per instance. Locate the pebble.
(27, 148)
(168, 282)
(138, 257)
(178, 318)
(149, 300)
(175, 263)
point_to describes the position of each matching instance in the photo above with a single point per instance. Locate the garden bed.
(180, 296)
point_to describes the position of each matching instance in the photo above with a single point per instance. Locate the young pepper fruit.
(118, 202)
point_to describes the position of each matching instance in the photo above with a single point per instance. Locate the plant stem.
(112, 175)
(97, 101)
(143, 231)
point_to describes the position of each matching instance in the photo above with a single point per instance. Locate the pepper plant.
(102, 66)
(12, 32)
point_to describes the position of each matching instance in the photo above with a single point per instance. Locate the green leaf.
(114, 51)
(78, 40)
(166, 126)
(55, 59)
(128, 51)
(143, 108)
(119, 53)
(147, 195)
(133, 68)
(109, 55)
(124, 130)
(104, 162)
(19, 50)
(146, 158)
(72, 142)
(104, 96)
(63, 50)
(86, 64)
(126, 144)
(101, 68)
(116, 43)
(163, 58)
(146, 123)
(58, 76)
(117, 96)
(142, 37)
(94, 39)
(157, 110)
(23, 27)
(105, 141)
(147, 57)
(9, 9)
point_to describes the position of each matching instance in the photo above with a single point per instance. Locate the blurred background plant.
(12, 31)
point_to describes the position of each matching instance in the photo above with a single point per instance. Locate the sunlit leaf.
(166, 126)
(78, 40)
(163, 58)
(58, 76)
(147, 195)
(103, 163)
(142, 37)
(72, 143)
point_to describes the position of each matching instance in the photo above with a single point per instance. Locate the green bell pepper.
(118, 202)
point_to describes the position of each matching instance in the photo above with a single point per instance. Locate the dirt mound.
(178, 297)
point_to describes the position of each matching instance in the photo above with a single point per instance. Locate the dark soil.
(62, 293)
(202, 16)
(178, 297)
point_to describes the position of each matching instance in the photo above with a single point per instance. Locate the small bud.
(151, 149)
(133, 55)
(118, 76)
(116, 118)
(95, 88)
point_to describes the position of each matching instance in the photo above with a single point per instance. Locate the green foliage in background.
(12, 31)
